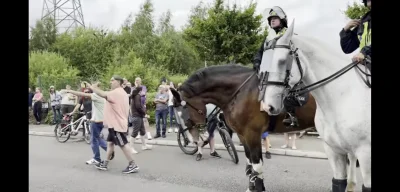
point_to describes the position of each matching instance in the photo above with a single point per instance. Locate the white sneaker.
(176, 130)
(169, 130)
(149, 136)
(92, 162)
(134, 151)
(294, 147)
(284, 146)
(147, 147)
(138, 136)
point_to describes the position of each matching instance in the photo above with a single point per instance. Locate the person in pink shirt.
(37, 105)
(116, 111)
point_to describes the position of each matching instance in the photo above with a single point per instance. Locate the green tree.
(43, 35)
(131, 66)
(225, 34)
(47, 68)
(356, 11)
(90, 50)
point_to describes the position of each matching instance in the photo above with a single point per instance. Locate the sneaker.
(132, 168)
(102, 166)
(147, 147)
(149, 136)
(176, 130)
(92, 162)
(157, 136)
(267, 155)
(134, 151)
(164, 136)
(138, 137)
(215, 154)
(169, 130)
(284, 146)
(294, 147)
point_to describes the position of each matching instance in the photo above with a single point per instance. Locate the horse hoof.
(198, 157)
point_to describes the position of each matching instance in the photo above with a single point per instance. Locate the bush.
(130, 67)
(47, 69)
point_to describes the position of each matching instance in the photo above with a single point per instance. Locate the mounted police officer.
(357, 34)
(277, 20)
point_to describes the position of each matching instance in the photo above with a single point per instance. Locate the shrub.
(47, 69)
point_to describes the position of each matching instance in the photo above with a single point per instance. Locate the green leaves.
(47, 69)
(225, 34)
(355, 11)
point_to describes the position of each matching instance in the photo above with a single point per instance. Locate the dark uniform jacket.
(350, 40)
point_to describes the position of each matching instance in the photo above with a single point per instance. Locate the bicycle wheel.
(229, 145)
(88, 130)
(184, 143)
(62, 135)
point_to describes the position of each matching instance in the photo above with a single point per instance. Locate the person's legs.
(158, 130)
(213, 125)
(164, 114)
(171, 119)
(58, 118)
(286, 140)
(266, 145)
(147, 127)
(38, 111)
(54, 114)
(135, 131)
(293, 138)
(97, 142)
(142, 133)
(35, 112)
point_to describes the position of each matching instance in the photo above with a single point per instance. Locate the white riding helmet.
(277, 12)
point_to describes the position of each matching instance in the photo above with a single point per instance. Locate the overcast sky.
(322, 19)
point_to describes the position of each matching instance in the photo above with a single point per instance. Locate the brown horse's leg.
(248, 168)
(256, 181)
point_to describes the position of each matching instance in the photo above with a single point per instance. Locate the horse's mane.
(309, 44)
(200, 77)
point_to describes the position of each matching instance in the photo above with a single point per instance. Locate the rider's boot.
(291, 119)
(339, 185)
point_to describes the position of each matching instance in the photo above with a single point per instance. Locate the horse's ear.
(176, 94)
(285, 39)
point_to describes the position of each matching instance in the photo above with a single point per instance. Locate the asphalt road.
(61, 167)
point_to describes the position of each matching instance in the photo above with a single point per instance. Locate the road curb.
(286, 152)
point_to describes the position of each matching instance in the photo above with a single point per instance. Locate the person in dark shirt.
(138, 112)
(359, 36)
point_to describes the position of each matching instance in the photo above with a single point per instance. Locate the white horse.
(343, 116)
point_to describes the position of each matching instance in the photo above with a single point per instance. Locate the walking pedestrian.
(138, 112)
(116, 111)
(96, 124)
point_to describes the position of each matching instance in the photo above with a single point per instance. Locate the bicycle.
(68, 127)
(223, 130)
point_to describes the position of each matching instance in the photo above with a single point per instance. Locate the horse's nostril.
(271, 108)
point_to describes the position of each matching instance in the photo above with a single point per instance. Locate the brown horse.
(234, 89)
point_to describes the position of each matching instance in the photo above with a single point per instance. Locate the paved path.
(60, 167)
(308, 146)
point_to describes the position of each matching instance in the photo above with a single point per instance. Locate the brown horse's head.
(215, 84)
(188, 111)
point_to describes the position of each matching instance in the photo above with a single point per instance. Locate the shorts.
(264, 135)
(211, 127)
(138, 126)
(116, 137)
(67, 109)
